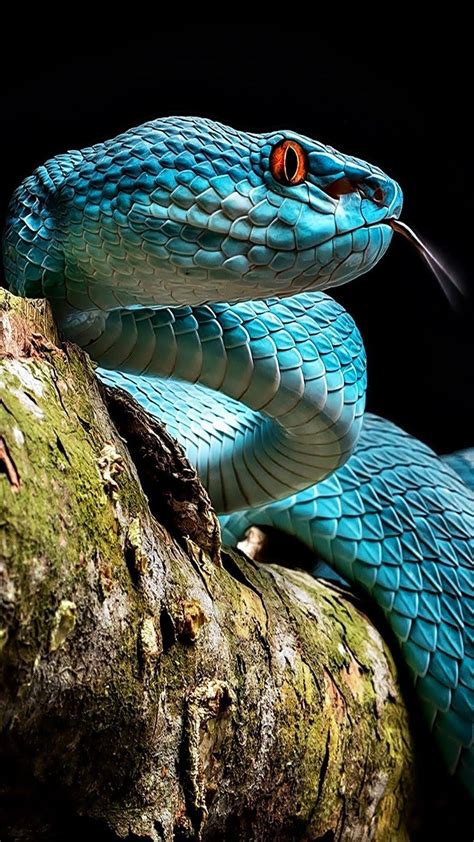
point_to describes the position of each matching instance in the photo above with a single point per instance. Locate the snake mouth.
(448, 281)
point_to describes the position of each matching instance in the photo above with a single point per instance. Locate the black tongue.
(448, 281)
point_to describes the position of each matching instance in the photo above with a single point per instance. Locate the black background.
(403, 105)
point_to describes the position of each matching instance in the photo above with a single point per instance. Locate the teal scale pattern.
(171, 251)
(297, 365)
(399, 523)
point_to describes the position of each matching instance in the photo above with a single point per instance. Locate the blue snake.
(185, 249)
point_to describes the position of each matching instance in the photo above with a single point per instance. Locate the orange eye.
(288, 163)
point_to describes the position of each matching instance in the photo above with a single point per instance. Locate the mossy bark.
(153, 686)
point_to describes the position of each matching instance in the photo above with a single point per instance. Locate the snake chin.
(367, 246)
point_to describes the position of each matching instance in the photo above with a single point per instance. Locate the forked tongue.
(445, 277)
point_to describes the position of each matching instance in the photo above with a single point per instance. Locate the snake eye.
(288, 163)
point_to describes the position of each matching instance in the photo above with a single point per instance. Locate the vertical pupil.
(291, 163)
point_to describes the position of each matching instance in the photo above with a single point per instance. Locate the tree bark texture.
(154, 686)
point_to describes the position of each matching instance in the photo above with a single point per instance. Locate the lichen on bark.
(154, 686)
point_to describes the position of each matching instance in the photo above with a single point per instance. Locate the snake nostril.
(378, 196)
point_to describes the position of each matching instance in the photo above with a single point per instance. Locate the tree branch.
(153, 687)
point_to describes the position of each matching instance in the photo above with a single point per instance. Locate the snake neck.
(279, 387)
(32, 252)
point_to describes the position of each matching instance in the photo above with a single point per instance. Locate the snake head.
(331, 210)
(185, 210)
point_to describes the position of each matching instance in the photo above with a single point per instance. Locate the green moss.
(64, 622)
(307, 725)
(62, 519)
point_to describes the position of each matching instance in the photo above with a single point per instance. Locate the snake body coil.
(162, 252)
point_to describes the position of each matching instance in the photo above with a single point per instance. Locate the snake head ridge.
(186, 210)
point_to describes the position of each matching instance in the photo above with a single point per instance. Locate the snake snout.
(394, 199)
(385, 194)
(381, 197)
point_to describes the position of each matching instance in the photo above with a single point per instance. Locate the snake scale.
(185, 249)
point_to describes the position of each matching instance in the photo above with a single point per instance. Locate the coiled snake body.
(186, 249)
